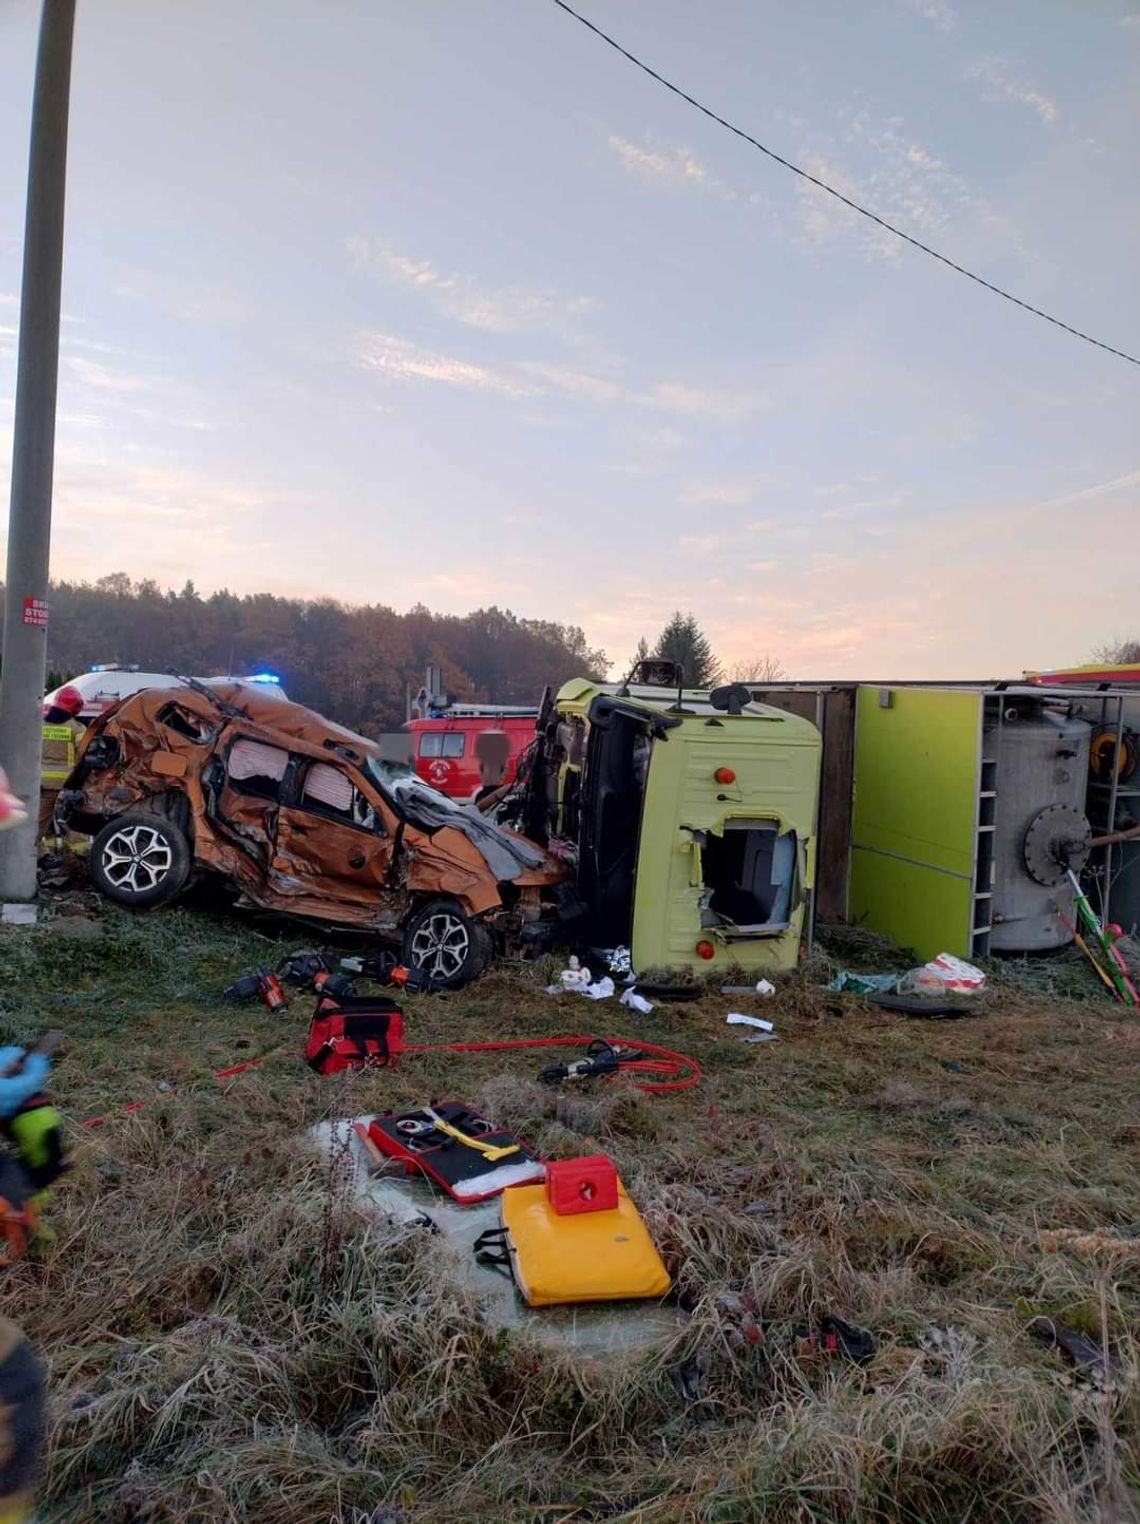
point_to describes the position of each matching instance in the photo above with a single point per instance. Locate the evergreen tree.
(683, 642)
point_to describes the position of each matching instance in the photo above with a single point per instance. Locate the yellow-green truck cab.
(692, 816)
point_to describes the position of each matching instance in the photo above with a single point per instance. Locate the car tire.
(446, 943)
(140, 860)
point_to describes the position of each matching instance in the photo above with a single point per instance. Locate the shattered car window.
(406, 789)
(184, 722)
(426, 807)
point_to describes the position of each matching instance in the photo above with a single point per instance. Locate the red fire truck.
(444, 745)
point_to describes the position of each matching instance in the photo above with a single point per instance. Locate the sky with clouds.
(442, 301)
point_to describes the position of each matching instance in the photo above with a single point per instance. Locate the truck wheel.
(446, 943)
(140, 860)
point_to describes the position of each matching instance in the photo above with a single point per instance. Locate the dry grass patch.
(229, 1339)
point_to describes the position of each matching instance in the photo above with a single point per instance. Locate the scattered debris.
(618, 963)
(943, 975)
(836, 1337)
(61, 870)
(670, 993)
(740, 1314)
(928, 1006)
(636, 1002)
(1088, 1358)
(736, 1019)
(848, 983)
(688, 1378)
(943, 987)
(954, 1067)
(578, 980)
(763, 987)
(754, 1037)
(18, 915)
(574, 976)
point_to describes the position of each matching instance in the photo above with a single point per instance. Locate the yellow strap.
(492, 1153)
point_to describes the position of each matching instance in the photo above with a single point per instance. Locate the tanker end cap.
(1058, 838)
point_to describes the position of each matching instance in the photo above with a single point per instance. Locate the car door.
(332, 841)
(248, 782)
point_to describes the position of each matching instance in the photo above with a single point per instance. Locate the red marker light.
(706, 950)
(724, 775)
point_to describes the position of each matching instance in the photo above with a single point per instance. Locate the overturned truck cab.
(690, 817)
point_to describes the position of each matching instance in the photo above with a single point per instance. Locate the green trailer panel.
(915, 817)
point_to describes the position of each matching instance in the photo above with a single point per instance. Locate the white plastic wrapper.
(577, 980)
(944, 975)
(737, 1019)
(636, 1002)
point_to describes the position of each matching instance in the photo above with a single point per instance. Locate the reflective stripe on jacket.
(58, 755)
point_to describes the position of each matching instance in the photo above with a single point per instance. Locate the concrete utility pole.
(33, 448)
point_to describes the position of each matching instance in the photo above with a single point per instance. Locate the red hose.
(665, 1062)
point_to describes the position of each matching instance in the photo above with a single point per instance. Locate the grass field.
(229, 1340)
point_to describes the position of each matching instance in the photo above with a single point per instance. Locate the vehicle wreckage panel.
(289, 856)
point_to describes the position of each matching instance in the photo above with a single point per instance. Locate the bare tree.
(755, 669)
(1118, 652)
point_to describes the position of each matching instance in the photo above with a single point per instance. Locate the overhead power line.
(839, 196)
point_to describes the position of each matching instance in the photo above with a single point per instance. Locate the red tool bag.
(354, 1032)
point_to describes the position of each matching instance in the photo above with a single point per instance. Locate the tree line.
(354, 664)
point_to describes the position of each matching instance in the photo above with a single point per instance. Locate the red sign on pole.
(36, 612)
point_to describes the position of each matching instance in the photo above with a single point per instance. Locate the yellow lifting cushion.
(584, 1257)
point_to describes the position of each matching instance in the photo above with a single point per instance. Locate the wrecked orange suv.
(305, 819)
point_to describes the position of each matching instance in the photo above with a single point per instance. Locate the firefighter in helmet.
(63, 729)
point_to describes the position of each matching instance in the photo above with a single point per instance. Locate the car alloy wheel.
(137, 858)
(441, 944)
